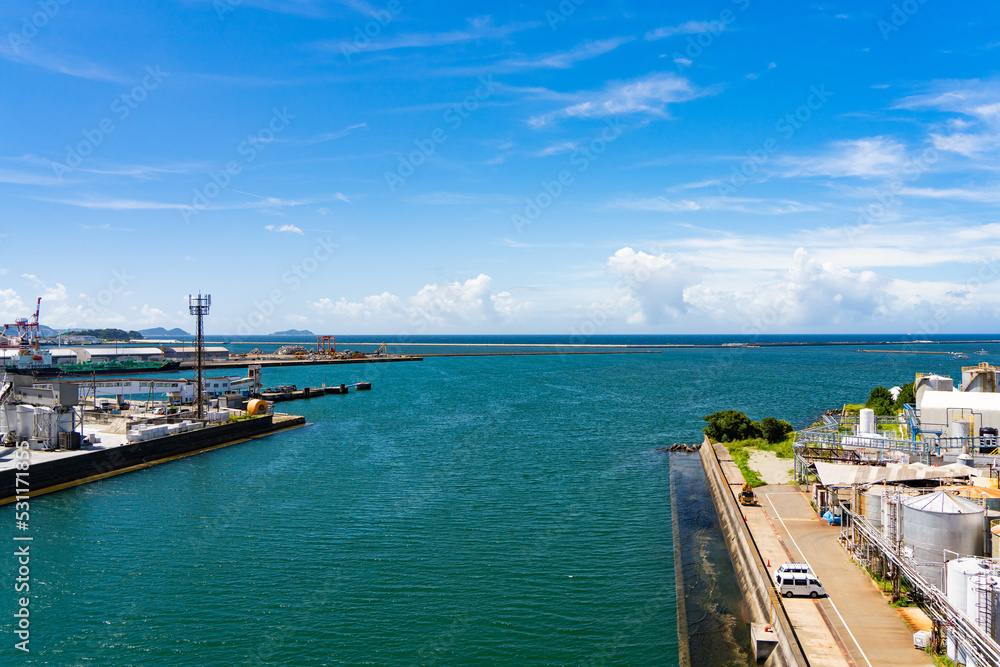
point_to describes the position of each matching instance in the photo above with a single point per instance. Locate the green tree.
(881, 401)
(906, 396)
(730, 425)
(775, 430)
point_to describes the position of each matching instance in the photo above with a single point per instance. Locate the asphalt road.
(872, 631)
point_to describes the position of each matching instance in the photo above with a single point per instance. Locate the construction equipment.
(747, 496)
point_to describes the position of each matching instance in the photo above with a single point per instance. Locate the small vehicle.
(747, 496)
(792, 568)
(799, 583)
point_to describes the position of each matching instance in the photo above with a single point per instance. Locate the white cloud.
(290, 229)
(561, 59)
(870, 157)
(435, 306)
(647, 95)
(977, 101)
(688, 28)
(654, 285)
(809, 294)
(734, 204)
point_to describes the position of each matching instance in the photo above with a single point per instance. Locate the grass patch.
(740, 451)
(939, 660)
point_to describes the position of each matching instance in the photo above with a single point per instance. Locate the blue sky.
(576, 167)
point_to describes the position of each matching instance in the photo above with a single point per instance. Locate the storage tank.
(866, 422)
(872, 499)
(25, 421)
(958, 571)
(961, 428)
(980, 598)
(892, 497)
(939, 521)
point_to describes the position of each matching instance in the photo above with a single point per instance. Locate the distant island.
(105, 334)
(160, 332)
(294, 332)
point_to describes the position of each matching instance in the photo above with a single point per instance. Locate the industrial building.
(190, 353)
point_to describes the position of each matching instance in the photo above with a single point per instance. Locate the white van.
(799, 583)
(791, 568)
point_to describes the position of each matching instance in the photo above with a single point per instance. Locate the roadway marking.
(801, 553)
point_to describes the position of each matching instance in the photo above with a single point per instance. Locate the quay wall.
(764, 606)
(44, 475)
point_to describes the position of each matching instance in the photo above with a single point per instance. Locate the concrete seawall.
(762, 602)
(45, 476)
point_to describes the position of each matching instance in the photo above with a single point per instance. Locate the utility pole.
(199, 306)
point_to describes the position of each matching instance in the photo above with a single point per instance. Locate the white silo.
(25, 421)
(958, 572)
(866, 422)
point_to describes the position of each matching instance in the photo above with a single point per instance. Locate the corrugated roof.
(845, 474)
(973, 491)
(942, 502)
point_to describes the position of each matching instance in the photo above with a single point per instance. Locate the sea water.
(467, 510)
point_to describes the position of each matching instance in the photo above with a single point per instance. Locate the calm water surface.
(502, 510)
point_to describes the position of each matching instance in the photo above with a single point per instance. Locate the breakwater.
(47, 476)
(764, 607)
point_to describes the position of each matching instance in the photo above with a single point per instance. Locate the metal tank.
(958, 571)
(892, 521)
(25, 421)
(866, 421)
(938, 521)
(872, 504)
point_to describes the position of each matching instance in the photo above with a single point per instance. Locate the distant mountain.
(294, 332)
(160, 332)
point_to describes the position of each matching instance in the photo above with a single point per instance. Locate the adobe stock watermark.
(23, 539)
(122, 107)
(562, 12)
(292, 279)
(785, 127)
(898, 17)
(363, 35)
(248, 149)
(47, 10)
(987, 272)
(550, 191)
(427, 146)
(888, 196)
(115, 287)
(696, 44)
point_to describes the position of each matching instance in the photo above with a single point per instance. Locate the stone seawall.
(48, 474)
(764, 606)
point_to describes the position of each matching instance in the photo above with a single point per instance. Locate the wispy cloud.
(561, 59)
(732, 204)
(30, 54)
(688, 28)
(322, 137)
(870, 157)
(477, 28)
(977, 100)
(288, 229)
(647, 95)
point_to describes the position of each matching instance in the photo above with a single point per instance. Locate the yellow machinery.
(747, 496)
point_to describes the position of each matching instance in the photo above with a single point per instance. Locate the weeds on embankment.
(740, 451)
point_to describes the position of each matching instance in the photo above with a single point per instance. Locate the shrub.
(775, 430)
(730, 425)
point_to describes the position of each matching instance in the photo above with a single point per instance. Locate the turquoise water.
(501, 510)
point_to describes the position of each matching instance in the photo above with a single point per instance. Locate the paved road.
(872, 632)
